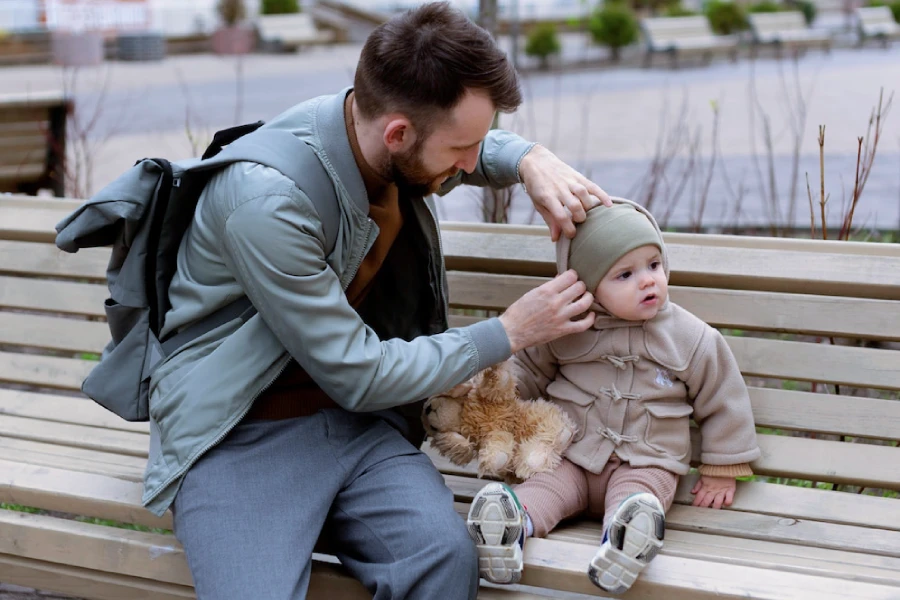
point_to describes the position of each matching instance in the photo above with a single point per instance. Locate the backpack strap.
(295, 159)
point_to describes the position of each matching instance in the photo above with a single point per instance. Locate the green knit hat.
(606, 235)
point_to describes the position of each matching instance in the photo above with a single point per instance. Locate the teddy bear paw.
(538, 461)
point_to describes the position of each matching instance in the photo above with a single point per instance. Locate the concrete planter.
(81, 49)
(237, 39)
(141, 46)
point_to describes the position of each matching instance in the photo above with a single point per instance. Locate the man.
(304, 422)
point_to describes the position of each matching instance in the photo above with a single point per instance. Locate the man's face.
(453, 145)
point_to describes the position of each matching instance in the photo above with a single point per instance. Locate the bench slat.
(121, 500)
(17, 171)
(755, 268)
(700, 240)
(772, 499)
(785, 557)
(781, 409)
(861, 367)
(44, 371)
(74, 410)
(19, 222)
(824, 413)
(802, 411)
(76, 436)
(804, 533)
(84, 299)
(782, 456)
(76, 492)
(26, 258)
(79, 582)
(51, 333)
(23, 113)
(549, 563)
(823, 460)
(678, 578)
(844, 365)
(129, 468)
(824, 363)
(793, 457)
(738, 309)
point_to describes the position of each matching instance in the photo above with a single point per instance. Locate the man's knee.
(456, 550)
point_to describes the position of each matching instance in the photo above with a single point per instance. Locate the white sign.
(96, 15)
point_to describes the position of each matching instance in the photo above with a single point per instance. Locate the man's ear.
(399, 134)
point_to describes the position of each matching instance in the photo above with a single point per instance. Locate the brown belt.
(293, 394)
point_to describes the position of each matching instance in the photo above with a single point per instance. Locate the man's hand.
(560, 194)
(546, 312)
(714, 491)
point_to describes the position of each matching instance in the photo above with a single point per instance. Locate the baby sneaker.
(496, 524)
(632, 539)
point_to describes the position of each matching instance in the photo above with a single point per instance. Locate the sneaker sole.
(495, 525)
(635, 537)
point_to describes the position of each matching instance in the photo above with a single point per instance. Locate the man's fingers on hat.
(582, 324)
(578, 202)
(597, 192)
(562, 281)
(584, 303)
(573, 292)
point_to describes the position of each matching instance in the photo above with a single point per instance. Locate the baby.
(631, 383)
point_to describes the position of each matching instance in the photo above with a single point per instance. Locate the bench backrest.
(775, 22)
(287, 26)
(827, 412)
(662, 30)
(876, 19)
(779, 303)
(32, 138)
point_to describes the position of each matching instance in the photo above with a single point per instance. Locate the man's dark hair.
(421, 63)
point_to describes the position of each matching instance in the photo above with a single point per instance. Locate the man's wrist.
(509, 328)
(520, 161)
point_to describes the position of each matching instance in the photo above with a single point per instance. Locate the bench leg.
(56, 154)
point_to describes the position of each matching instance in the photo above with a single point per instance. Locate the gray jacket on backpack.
(255, 232)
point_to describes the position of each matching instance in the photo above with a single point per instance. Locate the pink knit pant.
(571, 491)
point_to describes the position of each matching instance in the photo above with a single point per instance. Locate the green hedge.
(279, 7)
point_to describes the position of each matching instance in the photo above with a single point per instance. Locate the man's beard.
(413, 180)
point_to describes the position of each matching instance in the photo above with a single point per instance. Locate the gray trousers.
(250, 511)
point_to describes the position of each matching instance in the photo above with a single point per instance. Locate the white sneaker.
(496, 524)
(632, 539)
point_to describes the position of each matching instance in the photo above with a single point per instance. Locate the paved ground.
(605, 121)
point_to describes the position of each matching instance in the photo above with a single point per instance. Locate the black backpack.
(143, 215)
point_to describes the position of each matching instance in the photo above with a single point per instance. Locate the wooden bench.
(785, 30)
(778, 301)
(684, 36)
(876, 22)
(33, 142)
(289, 32)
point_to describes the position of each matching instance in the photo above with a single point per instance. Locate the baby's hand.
(714, 491)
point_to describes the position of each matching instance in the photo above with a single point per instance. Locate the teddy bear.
(484, 419)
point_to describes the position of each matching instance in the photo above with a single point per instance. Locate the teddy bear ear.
(458, 391)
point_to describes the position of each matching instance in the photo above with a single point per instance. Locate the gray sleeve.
(498, 162)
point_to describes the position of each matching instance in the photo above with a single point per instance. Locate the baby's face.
(635, 288)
